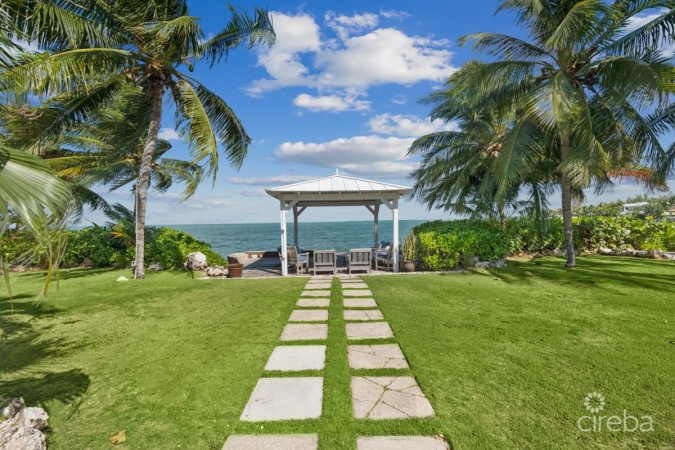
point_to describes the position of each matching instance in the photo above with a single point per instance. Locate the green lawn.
(506, 356)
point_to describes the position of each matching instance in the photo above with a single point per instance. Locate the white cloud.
(345, 26)
(347, 66)
(407, 125)
(399, 100)
(636, 22)
(332, 103)
(168, 134)
(295, 36)
(251, 192)
(265, 181)
(394, 14)
(362, 155)
(383, 56)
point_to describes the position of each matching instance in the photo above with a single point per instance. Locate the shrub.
(98, 247)
(447, 245)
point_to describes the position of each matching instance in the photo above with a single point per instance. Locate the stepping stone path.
(396, 396)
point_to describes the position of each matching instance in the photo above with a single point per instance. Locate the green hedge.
(444, 245)
(96, 246)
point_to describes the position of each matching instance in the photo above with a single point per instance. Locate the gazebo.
(338, 190)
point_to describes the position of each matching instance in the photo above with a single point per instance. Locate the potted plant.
(409, 250)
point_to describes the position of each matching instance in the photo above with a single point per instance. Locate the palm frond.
(240, 29)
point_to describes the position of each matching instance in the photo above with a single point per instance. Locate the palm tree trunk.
(144, 179)
(566, 187)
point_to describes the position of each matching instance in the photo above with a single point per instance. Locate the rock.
(605, 251)
(122, 278)
(18, 269)
(12, 406)
(490, 264)
(217, 271)
(236, 258)
(33, 418)
(22, 429)
(559, 253)
(196, 261)
(641, 253)
(155, 267)
(25, 438)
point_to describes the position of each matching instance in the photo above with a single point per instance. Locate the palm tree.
(584, 79)
(97, 47)
(29, 189)
(457, 170)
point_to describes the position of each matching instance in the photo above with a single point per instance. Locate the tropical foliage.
(445, 245)
(94, 49)
(582, 102)
(102, 246)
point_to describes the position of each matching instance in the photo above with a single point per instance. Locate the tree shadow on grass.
(590, 272)
(68, 274)
(21, 345)
(65, 387)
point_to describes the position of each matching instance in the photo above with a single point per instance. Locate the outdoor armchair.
(359, 259)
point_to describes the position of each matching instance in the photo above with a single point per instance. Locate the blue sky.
(339, 90)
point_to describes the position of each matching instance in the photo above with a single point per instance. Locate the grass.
(506, 356)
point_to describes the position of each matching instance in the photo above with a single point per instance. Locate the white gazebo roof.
(338, 190)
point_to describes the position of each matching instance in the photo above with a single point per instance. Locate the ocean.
(341, 236)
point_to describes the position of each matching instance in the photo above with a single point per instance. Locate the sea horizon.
(226, 239)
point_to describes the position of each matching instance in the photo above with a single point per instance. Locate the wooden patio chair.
(325, 261)
(384, 258)
(359, 259)
(297, 260)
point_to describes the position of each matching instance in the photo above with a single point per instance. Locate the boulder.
(33, 418)
(217, 271)
(11, 407)
(23, 428)
(559, 253)
(25, 438)
(155, 267)
(605, 251)
(196, 261)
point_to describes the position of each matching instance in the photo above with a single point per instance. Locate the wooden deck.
(271, 267)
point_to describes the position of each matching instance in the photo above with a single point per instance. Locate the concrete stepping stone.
(387, 356)
(294, 358)
(389, 398)
(355, 286)
(359, 303)
(272, 442)
(369, 330)
(318, 286)
(400, 443)
(313, 303)
(357, 293)
(304, 332)
(309, 315)
(351, 280)
(315, 294)
(368, 314)
(294, 398)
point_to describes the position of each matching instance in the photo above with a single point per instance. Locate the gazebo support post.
(285, 205)
(296, 214)
(284, 243)
(394, 218)
(295, 225)
(375, 211)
